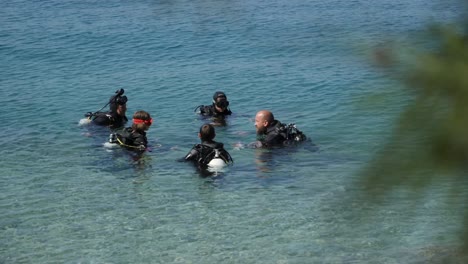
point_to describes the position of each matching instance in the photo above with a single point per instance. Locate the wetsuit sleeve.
(256, 144)
(193, 154)
(140, 141)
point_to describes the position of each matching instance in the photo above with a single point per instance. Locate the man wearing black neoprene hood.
(219, 107)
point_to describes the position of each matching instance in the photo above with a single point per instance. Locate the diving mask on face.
(147, 122)
(121, 100)
(118, 98)
(222, 104)
(220, 100)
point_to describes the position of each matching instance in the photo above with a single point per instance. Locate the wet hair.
(142, 115)
(207, 132)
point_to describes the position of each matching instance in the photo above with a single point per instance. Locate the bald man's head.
(263, 120)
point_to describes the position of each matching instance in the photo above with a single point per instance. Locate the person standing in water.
(218, 109)
(116, 116)
(271, 132)
(134, 137)
(202, 154)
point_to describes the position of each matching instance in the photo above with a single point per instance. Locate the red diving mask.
(141, 121)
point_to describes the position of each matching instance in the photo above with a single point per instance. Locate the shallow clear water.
(65, 198)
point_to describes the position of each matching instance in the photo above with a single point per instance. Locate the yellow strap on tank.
(128, 146)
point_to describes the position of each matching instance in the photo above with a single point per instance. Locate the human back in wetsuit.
(218, 109)
(202, 154)
(115, 117)
(271, 132)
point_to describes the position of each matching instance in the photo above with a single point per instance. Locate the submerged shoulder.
(205, 109)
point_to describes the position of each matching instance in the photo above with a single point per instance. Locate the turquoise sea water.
(64, 198)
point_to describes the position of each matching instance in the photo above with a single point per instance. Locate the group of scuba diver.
(209, 153)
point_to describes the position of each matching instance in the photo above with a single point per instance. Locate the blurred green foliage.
(430, 139)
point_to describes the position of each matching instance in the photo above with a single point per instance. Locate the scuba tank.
(292, 133)
(216, 162)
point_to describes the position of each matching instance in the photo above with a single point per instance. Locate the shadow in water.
(268, 159)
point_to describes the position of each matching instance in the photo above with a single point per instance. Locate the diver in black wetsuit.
(219, 108)
(134, 137)
(202, 154)
(271, 132)
(115, 117)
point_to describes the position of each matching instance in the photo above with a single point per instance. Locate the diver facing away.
(209, 151)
